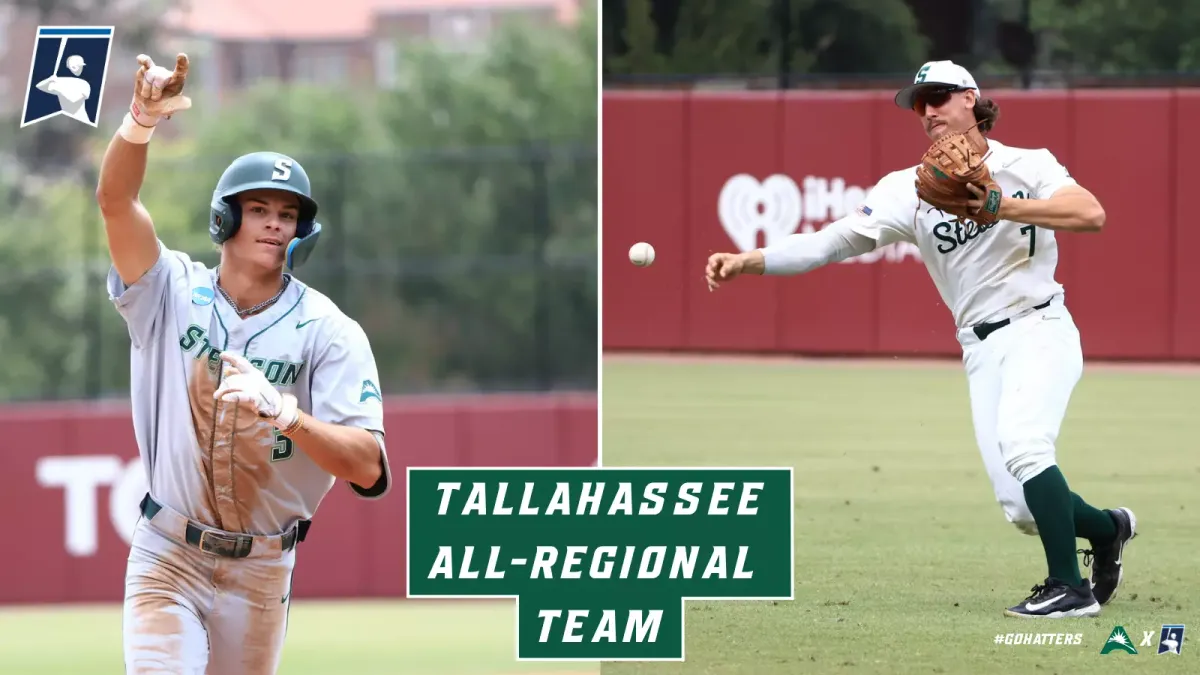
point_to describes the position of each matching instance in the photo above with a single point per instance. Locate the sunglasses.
(934, 96)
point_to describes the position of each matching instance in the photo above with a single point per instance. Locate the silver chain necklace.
(243, 313)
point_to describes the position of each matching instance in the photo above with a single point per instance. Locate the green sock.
(1049, 501)
(1091, 523)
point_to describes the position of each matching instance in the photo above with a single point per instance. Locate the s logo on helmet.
(283, 169)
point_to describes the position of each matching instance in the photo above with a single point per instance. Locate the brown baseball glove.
(158, 92)
(953, 177)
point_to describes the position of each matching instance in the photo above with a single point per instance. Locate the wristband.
(141, 116)
(288, 421)
(133, 132)
(292, 428)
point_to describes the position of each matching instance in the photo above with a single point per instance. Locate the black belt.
(983, 330)
(226, 544)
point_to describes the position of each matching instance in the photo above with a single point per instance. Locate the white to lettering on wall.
(80, 477)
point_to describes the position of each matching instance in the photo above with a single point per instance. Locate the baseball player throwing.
(252, 395)
(991, 251)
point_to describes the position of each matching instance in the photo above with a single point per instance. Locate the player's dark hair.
(986, 113)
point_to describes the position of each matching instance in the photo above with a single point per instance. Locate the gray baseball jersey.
(213, 461)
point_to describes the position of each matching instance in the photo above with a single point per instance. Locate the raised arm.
(132, 242)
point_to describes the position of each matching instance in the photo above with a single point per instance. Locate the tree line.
(801, 42)
(459, 215)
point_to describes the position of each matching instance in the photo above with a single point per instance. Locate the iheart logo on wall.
(747, 207)
(778, 207)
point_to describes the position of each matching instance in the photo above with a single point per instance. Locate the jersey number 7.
(1032, 232)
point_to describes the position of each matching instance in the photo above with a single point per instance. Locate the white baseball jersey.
(980, 271)
(216, 462)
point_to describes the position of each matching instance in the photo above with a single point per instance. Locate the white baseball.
(641, 254)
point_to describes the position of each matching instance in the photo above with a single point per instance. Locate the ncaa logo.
(202, 295)
(1170, 639)
(66, 73)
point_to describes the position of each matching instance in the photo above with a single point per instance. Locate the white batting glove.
(243, 383)
(158, 92)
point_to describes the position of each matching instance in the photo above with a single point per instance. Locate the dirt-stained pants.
(190, 611)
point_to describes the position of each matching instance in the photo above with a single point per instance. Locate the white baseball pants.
(1021, 378)
(189, 611)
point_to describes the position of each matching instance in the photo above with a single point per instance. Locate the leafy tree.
(858, 36)
(521, 205)
(459, 215)
(1120, 36)
(715, 37)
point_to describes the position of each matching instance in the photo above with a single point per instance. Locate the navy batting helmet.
(269, 170)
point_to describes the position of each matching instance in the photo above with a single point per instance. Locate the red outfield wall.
(70, 483)
(694, 173)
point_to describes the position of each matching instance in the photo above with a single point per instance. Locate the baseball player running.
(252, 395)
(992, 256)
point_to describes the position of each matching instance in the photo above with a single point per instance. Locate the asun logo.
(778, 207)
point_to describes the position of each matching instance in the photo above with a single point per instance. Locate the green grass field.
(324, 638)
(904, 560)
